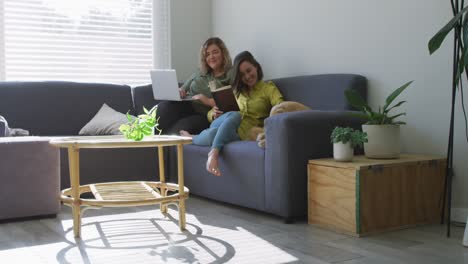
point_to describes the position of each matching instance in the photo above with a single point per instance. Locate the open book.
(224, 98)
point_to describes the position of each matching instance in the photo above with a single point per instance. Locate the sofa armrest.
(291, 140)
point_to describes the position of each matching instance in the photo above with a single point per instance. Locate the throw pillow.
(106, 122)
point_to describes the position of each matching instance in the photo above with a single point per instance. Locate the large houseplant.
(383, 131)
(459, 25)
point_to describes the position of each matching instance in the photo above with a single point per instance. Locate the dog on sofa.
(258, 133)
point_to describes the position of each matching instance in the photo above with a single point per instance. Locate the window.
(83, 40)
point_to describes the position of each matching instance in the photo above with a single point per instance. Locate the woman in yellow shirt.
(255, 98)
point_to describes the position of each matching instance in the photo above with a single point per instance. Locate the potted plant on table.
(141, 126)
(383, 131)
(344, 140)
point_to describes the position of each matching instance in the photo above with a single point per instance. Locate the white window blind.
(83, 40)
(2, 42)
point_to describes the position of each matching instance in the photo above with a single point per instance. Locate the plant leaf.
(355, 100)
(460, 67)
(439, 37)
(395, 116)
(463, 61)
(398, 104)
(394, 95)
(362, 116)
(147, 131)
(129, 117)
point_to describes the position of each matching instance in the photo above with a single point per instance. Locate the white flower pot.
(383, 141)
(343, 152)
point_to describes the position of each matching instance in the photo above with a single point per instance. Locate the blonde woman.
(215, 65)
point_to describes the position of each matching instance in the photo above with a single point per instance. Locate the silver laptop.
(165, 85)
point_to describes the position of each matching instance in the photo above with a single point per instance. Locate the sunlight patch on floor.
(148, 237)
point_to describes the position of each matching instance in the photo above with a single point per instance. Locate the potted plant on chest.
(344, 140)
(383, 131)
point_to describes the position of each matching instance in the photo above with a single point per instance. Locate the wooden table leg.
(74, 163)
(162, 178)
(180, 170)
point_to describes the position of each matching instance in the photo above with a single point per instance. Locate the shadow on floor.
(157, 235)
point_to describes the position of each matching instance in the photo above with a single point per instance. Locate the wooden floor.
(216, 233)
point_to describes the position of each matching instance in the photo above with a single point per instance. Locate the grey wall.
(191, 25)
(386, 41)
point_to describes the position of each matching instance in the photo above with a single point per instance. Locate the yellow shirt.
(255, 106)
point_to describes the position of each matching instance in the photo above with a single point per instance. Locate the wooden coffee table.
(123, 194)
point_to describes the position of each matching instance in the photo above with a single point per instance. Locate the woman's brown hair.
(204, 68)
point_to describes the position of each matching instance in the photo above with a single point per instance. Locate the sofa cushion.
(243, 174)
(106, 122)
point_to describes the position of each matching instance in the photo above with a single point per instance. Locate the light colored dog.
(258, 133)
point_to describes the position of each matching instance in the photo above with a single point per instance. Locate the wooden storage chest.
(370, 195)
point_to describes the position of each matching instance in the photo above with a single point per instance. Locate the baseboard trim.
(459, 214)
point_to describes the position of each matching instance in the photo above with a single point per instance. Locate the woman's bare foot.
(212, 162)
(185, 133)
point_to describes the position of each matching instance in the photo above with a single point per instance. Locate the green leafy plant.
(380, 117)
(141, 126)
(347, 134)
(459, 24)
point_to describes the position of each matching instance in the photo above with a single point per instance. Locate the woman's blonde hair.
(204, 68)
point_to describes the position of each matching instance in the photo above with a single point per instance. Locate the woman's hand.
(204, 99)
(182, 92)
(216, 112)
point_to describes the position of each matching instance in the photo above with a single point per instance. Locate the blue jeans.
(221, 131)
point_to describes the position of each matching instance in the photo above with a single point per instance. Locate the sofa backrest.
(322, 92)
(59, 108)
(143, 97)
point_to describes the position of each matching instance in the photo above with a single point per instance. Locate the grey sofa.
(54, 108)
(274, 179)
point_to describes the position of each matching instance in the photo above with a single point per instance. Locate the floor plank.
(216, 233)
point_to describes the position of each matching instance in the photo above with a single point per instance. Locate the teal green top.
(198, 84)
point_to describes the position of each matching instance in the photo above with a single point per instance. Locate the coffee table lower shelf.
(124, 194)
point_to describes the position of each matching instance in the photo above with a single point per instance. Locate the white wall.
(386, 41)
(191, 25)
